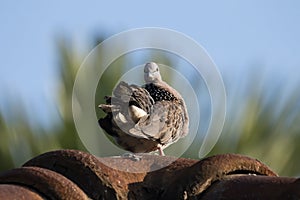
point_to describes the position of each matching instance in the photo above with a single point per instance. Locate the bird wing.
(149, 126)
(162, 124)
(128, 104)
(133, 95)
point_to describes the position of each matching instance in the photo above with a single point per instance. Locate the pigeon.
(145, 118)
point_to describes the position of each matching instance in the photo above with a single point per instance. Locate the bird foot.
(131, 156)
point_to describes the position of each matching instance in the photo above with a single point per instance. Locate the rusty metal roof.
(72, 174)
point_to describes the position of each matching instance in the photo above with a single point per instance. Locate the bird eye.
(157, 69)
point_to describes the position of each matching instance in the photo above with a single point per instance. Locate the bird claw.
(131, 156)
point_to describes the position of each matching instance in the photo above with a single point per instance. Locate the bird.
(145, 118)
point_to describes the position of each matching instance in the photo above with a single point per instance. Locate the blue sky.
(236, 34)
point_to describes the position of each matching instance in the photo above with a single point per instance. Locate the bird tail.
(129, 101)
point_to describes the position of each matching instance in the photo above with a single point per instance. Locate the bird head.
(151, 73)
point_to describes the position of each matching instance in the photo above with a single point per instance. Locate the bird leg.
(160, 150)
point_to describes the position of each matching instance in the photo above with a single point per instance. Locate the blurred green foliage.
(20, 140)
(264, 123)
(259, 123)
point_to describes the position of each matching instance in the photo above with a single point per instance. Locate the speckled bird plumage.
(147, 118)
